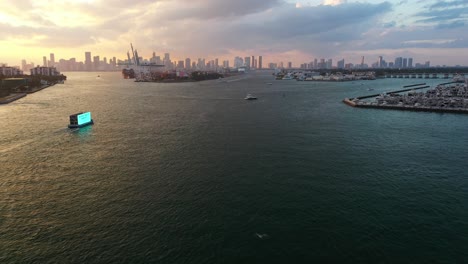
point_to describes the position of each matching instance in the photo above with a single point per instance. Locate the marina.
(450, 97)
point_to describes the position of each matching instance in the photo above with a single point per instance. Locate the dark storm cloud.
(322, 19)
(207, 9)
(283, 27)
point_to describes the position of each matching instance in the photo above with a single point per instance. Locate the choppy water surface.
(193, 173)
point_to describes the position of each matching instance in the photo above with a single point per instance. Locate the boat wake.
(262, 236)
(15, 146)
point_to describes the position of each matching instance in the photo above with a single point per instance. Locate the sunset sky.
(280, 30)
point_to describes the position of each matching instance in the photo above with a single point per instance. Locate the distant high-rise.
(114, 62)
(238, 62)
(380, 63)
(322, 64)
(44, 61)
(187, 63)
(398, 62)
(340, 64)
(216, 64)
(201, 65)
(410, 62)
(167, 60)
(329, 64)
(362, 61)
(405, 63)
(260, 63)
(180, 64)
(88, 62)
(52, 60)
(96, 62)
(252, 63)
(247, 62)
(289, 65)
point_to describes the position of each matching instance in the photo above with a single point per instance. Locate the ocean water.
(193, 173)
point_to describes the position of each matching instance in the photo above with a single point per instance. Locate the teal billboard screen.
(84, 118)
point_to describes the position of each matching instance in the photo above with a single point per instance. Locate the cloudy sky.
(280, 30)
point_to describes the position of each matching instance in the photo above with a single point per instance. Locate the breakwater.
(11, 98)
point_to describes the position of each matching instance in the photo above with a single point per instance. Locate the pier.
(423, 75)
(12, 97)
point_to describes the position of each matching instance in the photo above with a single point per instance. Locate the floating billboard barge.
(80, 120)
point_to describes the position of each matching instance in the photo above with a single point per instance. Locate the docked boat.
(80, 120)
(250, 97)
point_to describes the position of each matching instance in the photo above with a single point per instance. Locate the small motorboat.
(250, 97)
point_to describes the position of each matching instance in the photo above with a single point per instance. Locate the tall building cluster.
(249, 62)
(91, 63)
(398, 63)
(96, 63)
(200, 64)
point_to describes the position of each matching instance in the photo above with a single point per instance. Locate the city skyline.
(93, 62)
(287, 31)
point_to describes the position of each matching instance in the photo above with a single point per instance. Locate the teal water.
(193, 173)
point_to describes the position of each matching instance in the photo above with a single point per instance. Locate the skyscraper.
(252, 63)
(187, 63)
(247, 62)
(52, 60)
(44, 61)
(405, 63)
(96, 62)
(167, 60)
(340, 64)
(410, 62)
(238, 62)
(88, 63)
(398, 62)
(322, 64)
(260, 63)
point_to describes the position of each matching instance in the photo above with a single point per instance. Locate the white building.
(45, 71)
(10, 71)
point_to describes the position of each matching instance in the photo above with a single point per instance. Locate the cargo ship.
(135, 68)
(80, 120)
